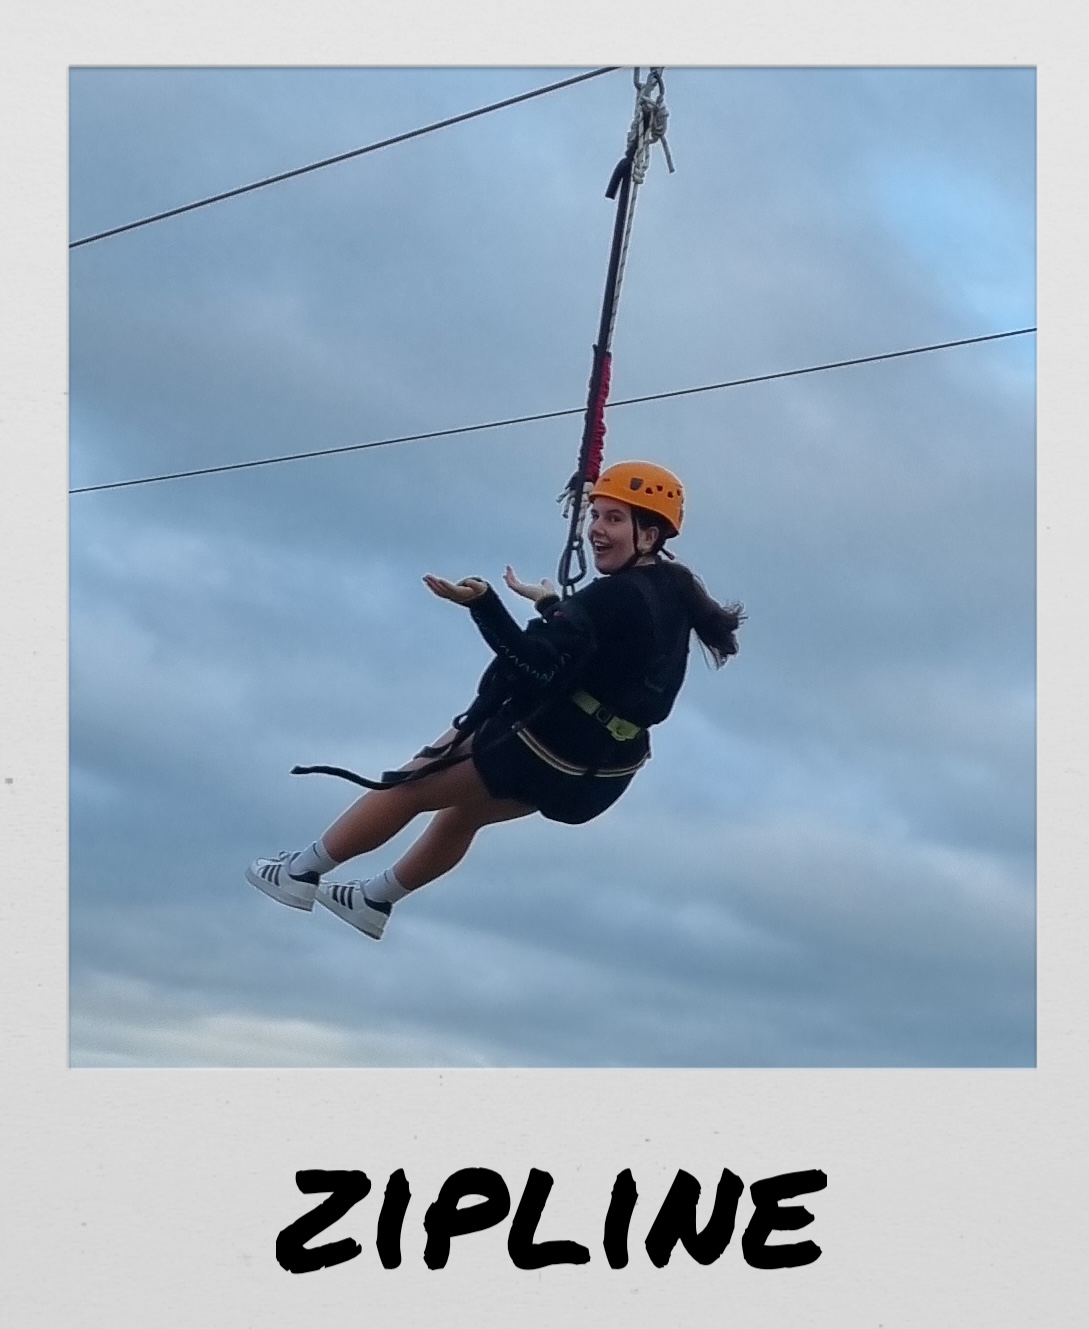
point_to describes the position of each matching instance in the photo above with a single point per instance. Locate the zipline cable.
(552, 415)
(342, 157)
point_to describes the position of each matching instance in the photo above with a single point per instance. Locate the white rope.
(649, 124)
(647, 128)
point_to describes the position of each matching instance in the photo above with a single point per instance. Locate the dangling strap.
(441, 756)
(390, 779)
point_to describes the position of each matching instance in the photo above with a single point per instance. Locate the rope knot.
(649, 124)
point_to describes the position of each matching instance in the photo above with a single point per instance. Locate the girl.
(559, 724)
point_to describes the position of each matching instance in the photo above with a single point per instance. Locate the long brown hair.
(714, 624)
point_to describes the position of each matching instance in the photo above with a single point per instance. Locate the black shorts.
(517, 765)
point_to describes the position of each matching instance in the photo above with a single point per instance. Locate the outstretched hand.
(531, 590)
(460, 592)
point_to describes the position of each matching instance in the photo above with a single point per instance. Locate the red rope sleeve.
(597, 439)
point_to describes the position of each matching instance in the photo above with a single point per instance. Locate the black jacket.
(623, 639)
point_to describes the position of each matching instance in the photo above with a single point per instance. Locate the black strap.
(487, 704)
(441, 756)
(493, 694)
(620, 182)
(390, 779)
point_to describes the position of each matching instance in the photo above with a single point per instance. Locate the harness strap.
(594, 770)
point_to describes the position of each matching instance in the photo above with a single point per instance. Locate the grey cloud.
(829, 861)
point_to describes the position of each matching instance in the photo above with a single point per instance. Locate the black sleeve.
(548, 651)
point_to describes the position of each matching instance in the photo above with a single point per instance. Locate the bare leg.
(371, 821)
(375, 817)
(445, 842)
(380, 814)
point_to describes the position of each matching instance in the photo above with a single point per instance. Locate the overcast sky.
(830, 860)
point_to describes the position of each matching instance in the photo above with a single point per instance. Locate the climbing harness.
(647, 128)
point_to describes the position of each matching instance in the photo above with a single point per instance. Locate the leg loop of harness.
(461, 725)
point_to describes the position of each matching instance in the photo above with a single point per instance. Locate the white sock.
(312, 859)
(384, 887)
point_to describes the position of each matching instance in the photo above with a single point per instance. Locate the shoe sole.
(280, 896)
(356, 917)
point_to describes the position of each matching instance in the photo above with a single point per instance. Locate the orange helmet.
(641, 484)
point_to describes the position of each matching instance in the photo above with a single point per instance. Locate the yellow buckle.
(621, 730)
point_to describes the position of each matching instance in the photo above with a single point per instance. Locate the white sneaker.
(271, 876)
(347, 901)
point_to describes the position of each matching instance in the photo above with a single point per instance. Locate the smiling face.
(612, 535)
